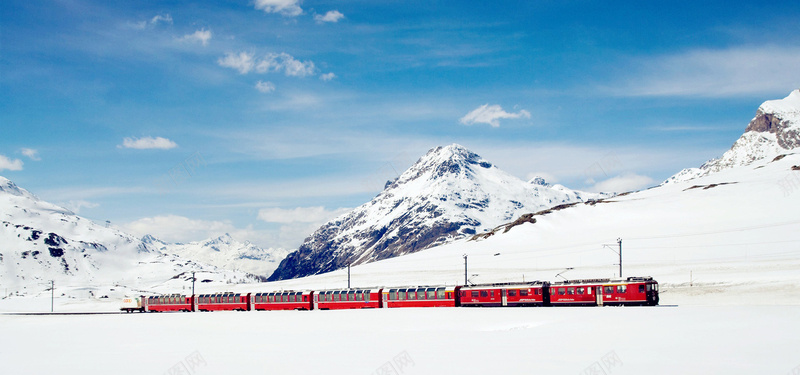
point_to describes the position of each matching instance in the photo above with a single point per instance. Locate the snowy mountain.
(773, 131)
(40, 242)
(447, 194)
(225, 252)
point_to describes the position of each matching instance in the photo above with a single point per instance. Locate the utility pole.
(52, 293)
(348, 275)
(465, 270)
(619, 241)
(193, 279)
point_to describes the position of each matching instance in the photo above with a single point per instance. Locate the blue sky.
(266, 118)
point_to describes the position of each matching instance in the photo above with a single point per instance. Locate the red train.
(638, 291)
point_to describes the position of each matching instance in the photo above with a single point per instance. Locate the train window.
(484, 293)
(474, 294)
(401, 295)
(622, 288)
(412, 294)
(608, 289)
(580, 291)
(366, 295)
(491, 293)
(440, 294)
(552, 290)
(641, 288)
(523, 292)
(570, 291)
(512, 293)
(561, 291)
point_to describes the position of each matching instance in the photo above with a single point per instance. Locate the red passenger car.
(506, 294)
(172, 302)
(286, 300)
(347, 299)
(421, 296)
(223, 301)
(642, 291)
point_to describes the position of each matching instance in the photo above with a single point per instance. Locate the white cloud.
(491, 114)
(165, 18)
(31, 154)
(159, 18)
(202, 36)
(331, 16)
(327, 76)
(11, 165)
(148, 143)
(299, 215)
(265, 87)
(243, 62)
(729, 72)
(76, 205)
(624, 183)
(289, 8)
(283, 62)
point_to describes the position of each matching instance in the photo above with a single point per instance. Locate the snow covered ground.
(647, 340)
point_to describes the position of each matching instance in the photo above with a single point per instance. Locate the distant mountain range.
(224, 252)
(448, 194)
(41, 242)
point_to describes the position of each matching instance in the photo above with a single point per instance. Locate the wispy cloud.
(31, 154)
(265, 87)
(9, 164)
(624, 183)
(732, 72)
(76, 205)
(300, 214)
(148, 143)
(283, 62)
(157, 19)
(245, 62)
(288, 8)
(491, 114)
(327, 77)
(332, 16)
(200, 36)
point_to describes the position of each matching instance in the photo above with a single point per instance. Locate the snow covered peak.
(7, 186)
(775, 130)
(786, 107)
(449, 193)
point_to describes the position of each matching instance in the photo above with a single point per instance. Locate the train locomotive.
(631, 291)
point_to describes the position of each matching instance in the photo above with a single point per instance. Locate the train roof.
(632, 279)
